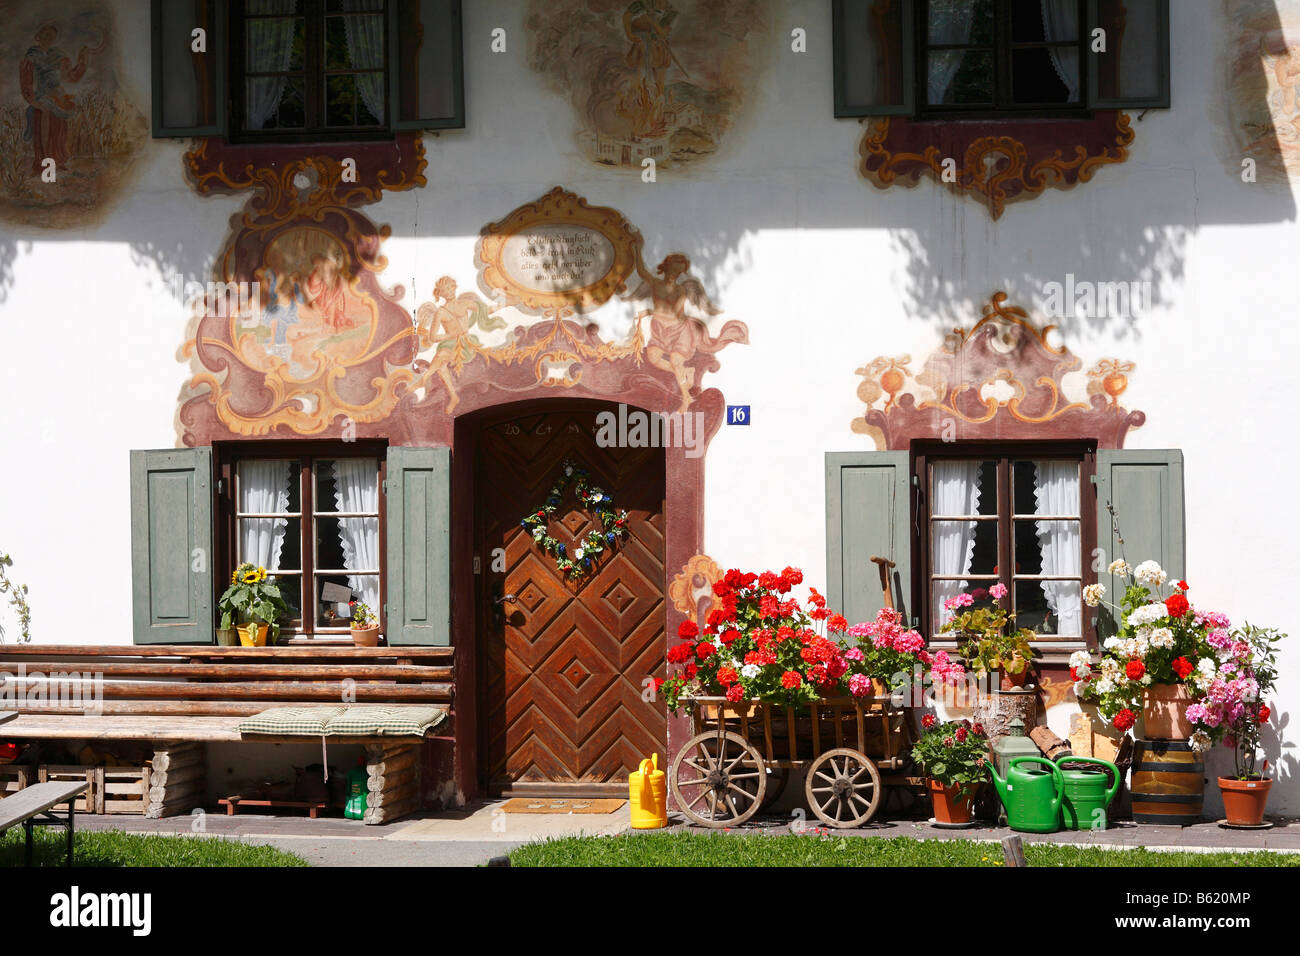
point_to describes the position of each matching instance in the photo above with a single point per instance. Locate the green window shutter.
(189, 88)
(171, 546)
(1133, 72)
(426, 79)
(872, 55)
(419, 545)
(1145, 488)
(868, 504)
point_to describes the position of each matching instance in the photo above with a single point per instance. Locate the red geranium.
(1135, 670)
(704, 650)
(735, 692)
(680, 654)
(1182, 667)
(1124, 719)
(688, 629)
(727, 676)
(1264, 713)
(1182, 585)
(791, 679)
(1176, 605)
(836, 624)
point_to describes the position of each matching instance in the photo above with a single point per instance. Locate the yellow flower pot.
(253, 635)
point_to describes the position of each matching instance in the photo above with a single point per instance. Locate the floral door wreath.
(613, 524)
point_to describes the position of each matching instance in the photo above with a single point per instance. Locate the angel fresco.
(445, 325)
(679, 311)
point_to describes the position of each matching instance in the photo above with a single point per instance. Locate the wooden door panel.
(563, 677)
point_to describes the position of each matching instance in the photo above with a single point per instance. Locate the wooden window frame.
(1003, 47)
(225, 546)
(1004, 452)
(316, 76)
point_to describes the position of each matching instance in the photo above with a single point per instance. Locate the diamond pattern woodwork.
(563, 675)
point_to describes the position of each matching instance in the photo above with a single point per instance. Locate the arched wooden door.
(563, 666)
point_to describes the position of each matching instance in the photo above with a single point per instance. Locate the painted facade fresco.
(1262, 87)
(69, 134)
(1004, 378)
(649, 78)
(997, 163)
(317, 346)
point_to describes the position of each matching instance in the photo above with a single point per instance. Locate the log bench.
(178, 698)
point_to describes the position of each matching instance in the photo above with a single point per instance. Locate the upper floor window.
(306, 70)
(937, 59)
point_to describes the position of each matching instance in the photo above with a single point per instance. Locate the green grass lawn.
(707, 849)
(114, 848)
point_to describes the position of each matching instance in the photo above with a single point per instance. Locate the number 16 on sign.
(737, 414)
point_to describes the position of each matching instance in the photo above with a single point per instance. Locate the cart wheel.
(843, 788)
(719, 789)
(777, 778)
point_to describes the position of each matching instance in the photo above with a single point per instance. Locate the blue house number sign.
(737, 414)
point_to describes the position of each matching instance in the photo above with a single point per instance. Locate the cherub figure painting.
(679, 310)
(446, 325)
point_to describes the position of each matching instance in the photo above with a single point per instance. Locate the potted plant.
(1234, 711)
(1159, 658)
(953, 755)
(253, 603)
(887, 653)
(989, 644)
(365, 625)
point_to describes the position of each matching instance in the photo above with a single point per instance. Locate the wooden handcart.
(742, 754)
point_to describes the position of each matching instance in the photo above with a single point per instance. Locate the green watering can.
(1088, 792)
(1032, 797)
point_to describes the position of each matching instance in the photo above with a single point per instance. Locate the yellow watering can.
(648, 794)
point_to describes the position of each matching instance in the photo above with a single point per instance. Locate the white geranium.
(1081, 661)
(1105, 686)
(749, 671)
(1200, 741)
(1150, 575)
(1162, 638)
(1148, 614)
(1146, 680)
(1093, 594)
(1111, 643)
(1207, 667)
(1119, 566)
(1110, 669)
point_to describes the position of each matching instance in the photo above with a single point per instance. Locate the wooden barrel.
(1168, 783)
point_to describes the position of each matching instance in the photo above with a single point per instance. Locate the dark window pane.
(340, 100)
(966, 22)
(1132, 66)
(274, 102)
(1045, 75)
(274, 45)
(1032, 497)
(352, 6)
(355, 42)
(963, 547)
(1049, 607)
(1038, 20)
(870, 58)
(959, 78)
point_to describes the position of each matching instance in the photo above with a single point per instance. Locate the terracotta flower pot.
(1164, 712)
(951, 804)
(1244, 800)
(253, 635)
(366, 636)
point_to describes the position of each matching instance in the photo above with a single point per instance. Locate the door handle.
(499, 598)
(505, 599)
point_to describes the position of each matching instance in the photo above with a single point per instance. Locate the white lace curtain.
(956, 492)
(1061, 22)
(263, 489)
(950, 22)
(366, 45)
(269, 49)
(356, 489)
(1056, 492)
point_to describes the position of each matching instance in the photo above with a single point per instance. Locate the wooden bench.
(178, 698)
(31, 808)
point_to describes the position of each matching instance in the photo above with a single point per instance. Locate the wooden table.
(32, 806)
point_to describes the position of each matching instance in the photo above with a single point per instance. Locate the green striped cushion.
(292, 721)
(380, 720)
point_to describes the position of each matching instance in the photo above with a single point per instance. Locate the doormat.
(565, 805)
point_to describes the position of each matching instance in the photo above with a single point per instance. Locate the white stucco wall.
(786, 237)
